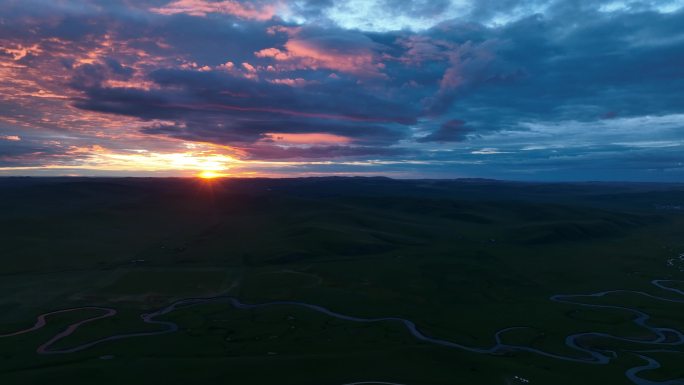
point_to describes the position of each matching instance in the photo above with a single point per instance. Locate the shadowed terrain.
(340, 281)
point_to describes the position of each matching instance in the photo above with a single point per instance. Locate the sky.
(549, 90)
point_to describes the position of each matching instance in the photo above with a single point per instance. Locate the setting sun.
(209, 174)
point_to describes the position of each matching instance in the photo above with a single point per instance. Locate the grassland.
(461, 259)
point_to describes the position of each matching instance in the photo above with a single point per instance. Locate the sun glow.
(198, 159)
(208, 174)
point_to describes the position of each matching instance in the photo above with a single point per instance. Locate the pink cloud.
(296, 82)
(248, 67)
(203, 7)
(274, 53)
(228, 66)
(324, 51)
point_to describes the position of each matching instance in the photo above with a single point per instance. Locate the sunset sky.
(521, 90)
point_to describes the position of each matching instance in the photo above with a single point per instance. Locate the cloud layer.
(529, 89)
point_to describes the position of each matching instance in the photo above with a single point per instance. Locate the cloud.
(266, 152)
(217, 106)
(451, 131)
(248, 10)
(378, 15)
(332, 49)
(546, 84)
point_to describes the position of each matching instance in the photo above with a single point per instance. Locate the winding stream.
(665, 337)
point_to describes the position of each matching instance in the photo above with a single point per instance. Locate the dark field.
(461, 259)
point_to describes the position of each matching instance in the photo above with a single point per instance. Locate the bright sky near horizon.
(509, 89)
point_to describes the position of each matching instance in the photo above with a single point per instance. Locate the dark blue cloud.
(507, 85)
(451, 131)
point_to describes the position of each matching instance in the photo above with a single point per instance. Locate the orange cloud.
(306, 138)
(193, 158)
(21, 51)
(231, 7)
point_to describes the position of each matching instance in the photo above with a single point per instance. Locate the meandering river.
(663, 338)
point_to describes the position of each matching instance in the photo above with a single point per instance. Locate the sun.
(208, 174)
